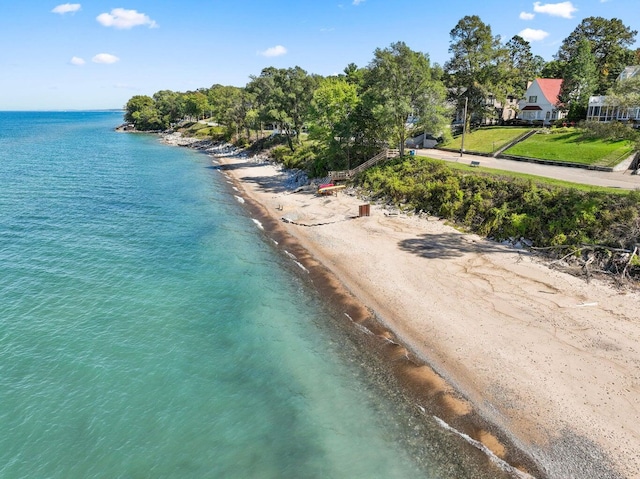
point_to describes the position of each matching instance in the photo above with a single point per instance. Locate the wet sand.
(540, 367)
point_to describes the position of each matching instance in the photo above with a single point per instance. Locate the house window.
(595, 113)
(533, 99)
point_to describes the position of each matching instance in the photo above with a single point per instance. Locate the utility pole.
(464, 125)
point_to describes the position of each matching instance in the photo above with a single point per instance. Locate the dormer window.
(533, 99)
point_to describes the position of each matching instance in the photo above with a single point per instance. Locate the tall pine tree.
(580, 82)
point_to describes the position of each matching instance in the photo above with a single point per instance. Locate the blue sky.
(97, 54)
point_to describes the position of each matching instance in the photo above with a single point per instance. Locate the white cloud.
(124, 19)
(563, 9)
(527, 16)
(105, 58)
(531, 35)
(77, 61)
(358, 2)
(276, 51)
(66, 8)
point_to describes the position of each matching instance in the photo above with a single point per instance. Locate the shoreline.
(427, 390)
(538, 366)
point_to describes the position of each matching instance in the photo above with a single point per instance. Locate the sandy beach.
(541, 367)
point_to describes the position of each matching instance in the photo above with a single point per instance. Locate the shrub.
(609, 131)
(506, 207)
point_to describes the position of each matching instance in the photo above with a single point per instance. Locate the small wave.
(258, 224)
(505, 466)
(301, 266)
(295, 260)
(235, 189)
(239, 198)
(359, 326)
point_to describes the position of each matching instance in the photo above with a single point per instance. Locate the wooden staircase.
(384, 155)
(518, 139)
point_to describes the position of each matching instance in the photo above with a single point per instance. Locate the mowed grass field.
(569, 145)
(486, 140)
(539, 180)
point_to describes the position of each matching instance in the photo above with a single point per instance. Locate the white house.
(540, 103)
(501, 111)
(600, 109)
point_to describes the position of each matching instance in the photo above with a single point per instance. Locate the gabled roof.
(550, 88)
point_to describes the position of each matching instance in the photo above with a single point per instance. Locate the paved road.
(616, 179)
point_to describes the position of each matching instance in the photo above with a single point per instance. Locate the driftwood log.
(620, 264)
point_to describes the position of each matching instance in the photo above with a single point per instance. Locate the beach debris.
(588, 260)
(517, 243)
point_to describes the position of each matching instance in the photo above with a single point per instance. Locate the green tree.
(141, 111)
(331, 116)
(136, 104)
(524, 66)
(227, 106)
(261, 88)
(285, 97)
(553, 69)
(354, 75)
(579, 83)
(196, 104)
(400, 80)
(610, 41)
(221, 100)
(170, 106)
(241, 105)
(476, 68)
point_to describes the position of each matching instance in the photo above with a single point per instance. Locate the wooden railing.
(384, 155)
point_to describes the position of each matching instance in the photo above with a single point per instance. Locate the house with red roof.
(540, 102)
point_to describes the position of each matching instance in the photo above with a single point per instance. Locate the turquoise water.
(148, 329)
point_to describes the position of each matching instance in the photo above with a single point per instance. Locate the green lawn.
(569, 145)
(486, 140)
(540, 180)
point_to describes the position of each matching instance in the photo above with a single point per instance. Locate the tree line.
(350, 116)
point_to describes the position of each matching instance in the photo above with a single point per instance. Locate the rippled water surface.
(148, 329)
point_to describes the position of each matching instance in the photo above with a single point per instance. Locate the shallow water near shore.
(150, 329)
